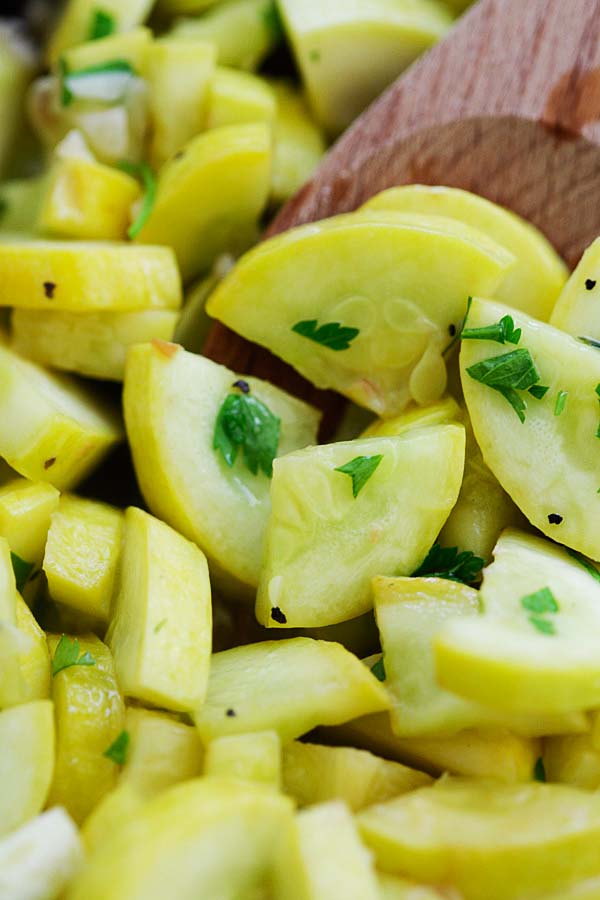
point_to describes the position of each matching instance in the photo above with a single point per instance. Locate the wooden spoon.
(507, 106)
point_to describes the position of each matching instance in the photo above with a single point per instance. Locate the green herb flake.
(378, 670)
(4, 207)
(561, 401)
(272, 21)
(584, 561)
(331, 335)
(67, 655)
(542, 601)
(539, 391)
(21, 569)
(67, 77)
(143, 173)
(447, 562)
(244, 421)
(315, 55)
(103, 25)
(117, 752)
(544, 626)
(507, 374)
(457, 335)
(539, 772)
(160, 625)
(503, 332)
(360, 470)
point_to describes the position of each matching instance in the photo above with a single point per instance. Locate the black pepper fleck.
(242, 385)
(49, 462)
(451, 330)
(590, 284)
(179, 155)
(230, 713)
(49, 288)
(278, 616)
(555, 519)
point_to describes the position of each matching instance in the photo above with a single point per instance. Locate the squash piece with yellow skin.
(84, 276)
(298, 143)
(386, 326)
(321, 524)
(87, 201)
(178, 72)
(26, 508)
(236, 98)
(160, 629)
(289, 686)
(34, 658)
(26, 761)
(315, 773)
(89, 717)
(172, 400)
(78, 15)
(82, 552)
(210, 197)
(538, 276)
(487, 840)
(576, 310)
(55, 429)
(210, 837)
(162, 751)
(534, 648)
(253, 757)
(552, 469)
(93, 344)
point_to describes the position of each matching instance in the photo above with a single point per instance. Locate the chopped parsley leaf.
(331, 335)
(103, 24)
(144, 173)
(378, 670)
(21, 569)
(503, 332)
(541, 601)
(272, 21)
(561, 400)
(539, 772)
(545, 626)
(583, 561)
(244, 421)
(360, 470)
(67, 655)
(447, 562)
(539, 391)
(117, 752)
(69, 79)
(507, 374)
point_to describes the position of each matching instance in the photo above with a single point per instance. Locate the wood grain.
(507, 106)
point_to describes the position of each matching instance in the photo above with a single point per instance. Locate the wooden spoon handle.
(507, 106)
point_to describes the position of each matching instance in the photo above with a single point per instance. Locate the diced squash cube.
(25, 511)
(87, 200)
(38, 860)
(82, 552)
(576, 310)
(236, 98)
(161, 623)
(26, 762)
(78, 15)
(326, 858)
(209, 837)
(162, 751)
(315, 773)
(252, 757)
(298, 143)
(55, 430)
(178, 72)
(89, 717)
(34, 658)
